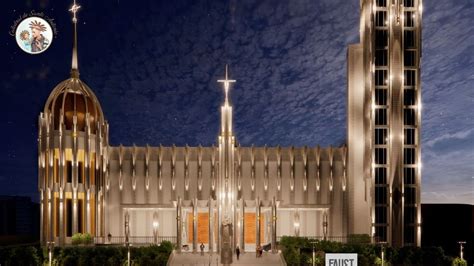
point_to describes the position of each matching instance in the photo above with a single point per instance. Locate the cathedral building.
(231, 195)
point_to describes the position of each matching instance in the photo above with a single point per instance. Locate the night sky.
(154, 65)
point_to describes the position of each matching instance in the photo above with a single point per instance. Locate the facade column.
(325, 224)
(242, 225)
(211, 225)
(61, 216)
(75, 175)
(42, 238)
(50, 215)
(195, 224)
(274, 226)
(178, 225)
(257, 220)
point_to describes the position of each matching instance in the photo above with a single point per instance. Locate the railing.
(136, 240)
(341, 239)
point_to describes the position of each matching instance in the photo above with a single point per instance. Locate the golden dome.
(73, 97)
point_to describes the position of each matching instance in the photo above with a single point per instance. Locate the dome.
(70, 97)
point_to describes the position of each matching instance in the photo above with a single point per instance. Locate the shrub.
(76, 239)
(298, 251)
(87, 239)
(87, 255)
(359, 239)
(459, 262)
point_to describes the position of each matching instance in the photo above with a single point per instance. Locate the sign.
(341, 259)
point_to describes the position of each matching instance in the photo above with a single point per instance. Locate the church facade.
(192, 195)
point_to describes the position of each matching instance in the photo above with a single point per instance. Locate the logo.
(341, 259)
(33, 32)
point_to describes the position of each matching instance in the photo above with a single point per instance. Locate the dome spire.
(74, 65)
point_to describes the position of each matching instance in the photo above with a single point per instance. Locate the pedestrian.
(237, 252)
(202, 249)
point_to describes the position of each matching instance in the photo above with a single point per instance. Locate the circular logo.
(34, 35)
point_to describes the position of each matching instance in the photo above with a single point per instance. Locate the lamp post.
(314, 253)
(155, 231)
(461, 243)
(382, 247)
(50, 245)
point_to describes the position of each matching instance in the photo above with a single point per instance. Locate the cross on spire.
(74, 64)
(226, 82)
(74, 10)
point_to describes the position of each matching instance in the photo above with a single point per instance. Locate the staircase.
(249, 258)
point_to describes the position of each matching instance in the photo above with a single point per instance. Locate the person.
(202, 249)
(38, 41)
(109, 237)
(25, 37)
(237, 252)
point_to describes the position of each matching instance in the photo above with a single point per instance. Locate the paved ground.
(188, 259)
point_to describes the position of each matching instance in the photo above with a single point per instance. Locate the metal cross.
(74, 10)
(226, 82)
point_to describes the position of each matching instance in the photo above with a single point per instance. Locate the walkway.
(188, 259)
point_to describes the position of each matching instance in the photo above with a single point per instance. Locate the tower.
(384, 106)
(226, 184)
(72, 158)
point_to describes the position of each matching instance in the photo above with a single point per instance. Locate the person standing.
(237, 252)
(202, 249)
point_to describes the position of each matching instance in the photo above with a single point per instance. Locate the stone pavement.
(188, 259)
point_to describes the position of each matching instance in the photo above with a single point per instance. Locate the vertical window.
(380, 17)
(410, 77)
(56, 170)
(69, 171)
(409, 235)
(380, 156)
(409, 116)
(380, 116)
(56, 214)
(381, 58)
(409, 19)
(409, 136)
(409, 58)
(409, 39)
(382, 3)
(380, 77)
(80, 215)
(380, 214)
(409, 175)
(80, 173)
(409, 156)
(380, 176)
(380, 96)
(410, 195)
(409, 97)
(381, 195)
(408, 3)
(69, 217)
(381, 38)
(380, 136)
(381, 233)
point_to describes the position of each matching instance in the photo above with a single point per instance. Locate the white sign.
(341, 259)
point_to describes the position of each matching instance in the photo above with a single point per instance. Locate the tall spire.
(74, 66)
(226, 82)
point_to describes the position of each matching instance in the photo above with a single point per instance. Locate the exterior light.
(461, 248)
